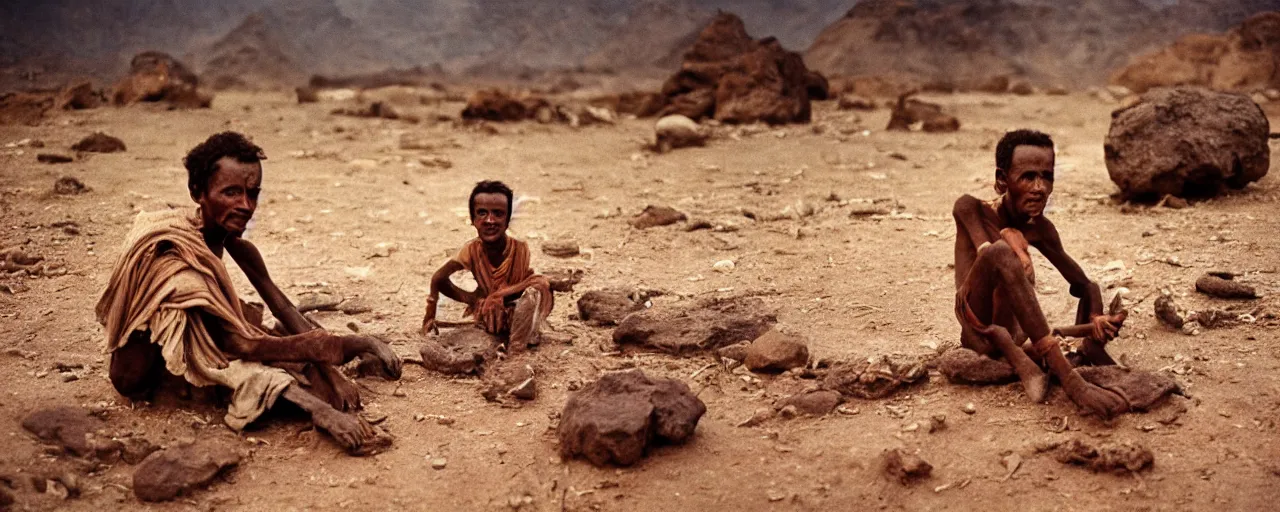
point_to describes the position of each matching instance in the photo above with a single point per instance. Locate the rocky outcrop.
(158, 77)
(969, 42)
(733, 78)
(1244, 59)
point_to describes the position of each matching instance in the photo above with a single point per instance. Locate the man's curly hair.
(202, 161)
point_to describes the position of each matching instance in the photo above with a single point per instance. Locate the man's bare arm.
(968, 214)
(1049, 243)
(315, 346)
(246, 255)
(1093, 322)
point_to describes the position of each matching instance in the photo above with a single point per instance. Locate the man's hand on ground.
(355, 345)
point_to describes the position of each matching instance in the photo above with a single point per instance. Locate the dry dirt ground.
(336, 187)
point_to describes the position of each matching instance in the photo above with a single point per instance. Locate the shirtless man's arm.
(307, 343)
(246, 255)
(1092, 324)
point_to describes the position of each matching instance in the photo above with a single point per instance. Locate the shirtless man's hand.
(354, 346)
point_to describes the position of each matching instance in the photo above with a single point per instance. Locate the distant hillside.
(266, 42)
(260, 41)
(1067, 43)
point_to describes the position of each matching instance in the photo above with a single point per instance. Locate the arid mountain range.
(280, 42)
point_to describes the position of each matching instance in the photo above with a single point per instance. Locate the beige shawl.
(165, 278)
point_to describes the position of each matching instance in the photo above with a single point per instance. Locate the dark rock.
(563, 280)
(706, 326)
(736, 352)
(168, 474)
(1187, 142)
(74, 430)
(1141, 389)
(561, 248)
(68, 185)
(617, 418)
(874, 379)
(24, 108)
(1119, 458)
(354, 307)
(606, 307)
(99, 143)
(512, 380)
(79, 96)
(654, 216)
(307, 94)
(136, 449)
(855, 102)
(318, 301)
(158, 77)
(375, 110)
(6, 498)
(994, 85)
(904, 467)
(1224, 288)
(909, 111)
(496, 105)
(814, 403)
(1167, 312)
(54, 158)
(775, 352)
(729, 76)
(639, 104)
(817, 85)
(1021, 88)
(964, 366)
(460, 351)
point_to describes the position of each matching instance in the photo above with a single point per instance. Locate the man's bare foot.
(1095, 400)
(351, 432)
(1037, 387)
(346, 391)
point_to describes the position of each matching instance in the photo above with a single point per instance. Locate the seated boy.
(509, 300)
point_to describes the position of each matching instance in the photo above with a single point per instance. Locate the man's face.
(231, 196)
(1029, 179)
(490, 217)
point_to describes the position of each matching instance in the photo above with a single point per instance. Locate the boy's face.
(490, 217)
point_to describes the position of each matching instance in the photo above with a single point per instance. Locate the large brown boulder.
(1187, 142)
(156, 77)
(733, 78)
(1244, 59)
(617, 418)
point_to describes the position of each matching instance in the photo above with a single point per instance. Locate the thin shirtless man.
(995, 293)
(509, 298)
(170, 306)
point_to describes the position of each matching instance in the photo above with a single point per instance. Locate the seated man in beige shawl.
(509, 298)
(170, 306)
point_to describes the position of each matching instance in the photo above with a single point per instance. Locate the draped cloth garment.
(167, 281)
